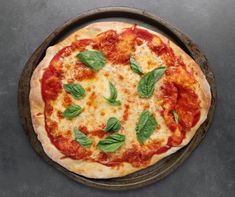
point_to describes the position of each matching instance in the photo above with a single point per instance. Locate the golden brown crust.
(93, 169)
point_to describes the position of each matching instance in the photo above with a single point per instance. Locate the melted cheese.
(96, 110)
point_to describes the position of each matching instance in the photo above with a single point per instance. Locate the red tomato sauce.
(106, 43)
(140, 33)
(51, 85)
(118, 47)
(67, 101)
(84, 130)
(126, 112)
(134, 156)
(82, 72)
(70, 148)
(81, 44)
(186, 104)
(99, 132)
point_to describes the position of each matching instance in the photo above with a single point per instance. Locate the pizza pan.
(143, 18)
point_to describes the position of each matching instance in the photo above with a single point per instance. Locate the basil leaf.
(92, 59)
(72, 111)
(175, 116)
(113, 92)
(147, 83)
(135, 67)
(113, 95)
(81, 138)
(111, 143)
(114, 102)
(76, 90)
(112, 125)
(145, 126)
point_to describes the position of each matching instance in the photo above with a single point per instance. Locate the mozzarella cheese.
(96, 110)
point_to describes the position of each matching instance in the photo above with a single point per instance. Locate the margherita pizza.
(114, 98)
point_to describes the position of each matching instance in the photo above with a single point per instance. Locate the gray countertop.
(209, 171)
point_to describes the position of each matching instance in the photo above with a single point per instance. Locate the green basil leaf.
(112, 125)
(76, 90)
(72, 111)
(114, 102)
(145, 126)
(111, 143)
(147, 83)
(81, 138)
(135, 67)
(113, 95)
(92, 59)
(113, 92)
(176, 117)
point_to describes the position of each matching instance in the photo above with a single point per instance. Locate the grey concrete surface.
(209, 172)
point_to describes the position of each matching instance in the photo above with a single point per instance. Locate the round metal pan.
(140, 17)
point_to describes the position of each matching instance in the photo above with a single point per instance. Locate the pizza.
(113, 98)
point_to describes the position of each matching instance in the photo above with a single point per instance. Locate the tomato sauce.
(48, 109)
(134, 156)
(118, 47)
(99, 133)
(126, 112)
(60, 54)
(84, 130)
(59, 114)
(81, 44)
(106, 43)
(140, 33)
(70, 148)
(179, 95)
(159, 49)
(82, 72)
(67, 101)
(51, 85)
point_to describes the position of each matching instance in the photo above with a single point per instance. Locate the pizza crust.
(93, 169)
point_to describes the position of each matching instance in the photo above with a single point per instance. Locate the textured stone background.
(209, 172)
